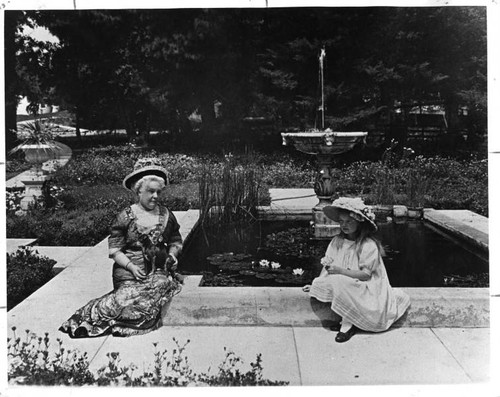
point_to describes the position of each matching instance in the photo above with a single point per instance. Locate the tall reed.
(229, 192)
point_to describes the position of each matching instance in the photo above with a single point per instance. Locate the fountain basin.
(325, 142)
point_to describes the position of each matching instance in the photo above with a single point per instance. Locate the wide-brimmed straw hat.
(356, 207)
(143, 167)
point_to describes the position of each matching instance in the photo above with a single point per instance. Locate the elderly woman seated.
(144, 244)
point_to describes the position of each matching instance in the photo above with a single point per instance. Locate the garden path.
(60, 158)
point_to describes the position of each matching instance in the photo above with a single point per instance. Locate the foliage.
(480, 280)
(96, 167)
(36, 132)
(284, 171)
(382, 191)
(80, 206)
(294, 245)
(288, 257)
(13, 199)
(110, 164)
(62, 227)
(83, 214)
(229, 193)
(30, 363)
(127, 69)
(26, 272)
(437, 182)
(14, 166)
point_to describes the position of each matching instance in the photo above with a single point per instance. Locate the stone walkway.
(61, 157)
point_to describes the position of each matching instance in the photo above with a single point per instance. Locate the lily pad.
(247, 273)
(293, 279)
(216, 257)
(265, 276)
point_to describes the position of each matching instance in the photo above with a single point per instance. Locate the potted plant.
(37, 142)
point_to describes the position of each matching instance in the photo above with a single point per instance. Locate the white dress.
(371, 305)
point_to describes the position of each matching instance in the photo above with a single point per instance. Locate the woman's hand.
(136, 271)
(171, 263)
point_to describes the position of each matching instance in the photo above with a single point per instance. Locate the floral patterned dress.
(133, 307)
(371, 305)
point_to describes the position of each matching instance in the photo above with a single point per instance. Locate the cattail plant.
(229, 192)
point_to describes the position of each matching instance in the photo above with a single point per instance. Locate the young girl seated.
(353, 277)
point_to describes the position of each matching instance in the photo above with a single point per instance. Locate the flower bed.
(89, 191)
(437, 182)
(30, 363)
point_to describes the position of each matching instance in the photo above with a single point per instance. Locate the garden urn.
(37, 154)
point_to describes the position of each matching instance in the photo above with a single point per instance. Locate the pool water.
(417, 255)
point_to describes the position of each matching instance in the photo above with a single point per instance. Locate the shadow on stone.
(325, 314)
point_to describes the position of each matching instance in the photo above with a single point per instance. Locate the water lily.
(264, 263)
(298, 272)
(275, 265)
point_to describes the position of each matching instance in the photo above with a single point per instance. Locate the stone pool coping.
(290, 306)
(462, 223)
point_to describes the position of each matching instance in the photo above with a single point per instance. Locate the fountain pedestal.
(324, 187)
(325, 145)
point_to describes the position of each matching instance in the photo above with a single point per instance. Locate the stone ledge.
(430, 307)
(463, 223)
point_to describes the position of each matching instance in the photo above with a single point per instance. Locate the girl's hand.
(136, 271)
(332, 269)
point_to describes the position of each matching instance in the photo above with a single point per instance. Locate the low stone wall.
(430, 307)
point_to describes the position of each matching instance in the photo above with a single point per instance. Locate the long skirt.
(370, 305)
(133, 308)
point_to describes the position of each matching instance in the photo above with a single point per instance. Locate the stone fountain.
(325, 145)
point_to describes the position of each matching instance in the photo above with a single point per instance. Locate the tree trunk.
(10, 82)
(207, 121)
(452, 121)
(207, 116)
(77, 126)
(403, 135)
(129, 123)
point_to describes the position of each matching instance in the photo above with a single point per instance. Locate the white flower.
(298, 272)
(275, 265)
(15, 362)
(326, 261)
(264, 263)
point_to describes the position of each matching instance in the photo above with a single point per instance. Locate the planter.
(37, 154)
(415, 212)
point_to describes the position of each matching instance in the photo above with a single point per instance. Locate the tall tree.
(27, 62)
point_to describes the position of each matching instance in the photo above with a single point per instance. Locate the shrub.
(86, 213)
(13, 199)
(285, 174)
(110, 164)
(29, 363)
(15, 165)
(61, 227)
(93, 167)
(26, 272)
(436, 182)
